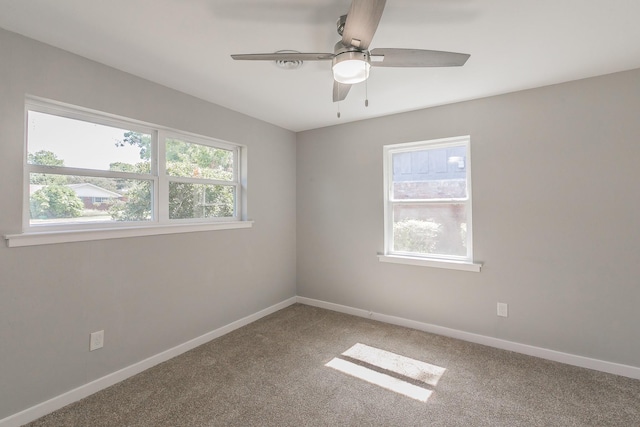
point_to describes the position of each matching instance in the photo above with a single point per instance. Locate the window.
(91, 170)
(428, 200)
(202, 180)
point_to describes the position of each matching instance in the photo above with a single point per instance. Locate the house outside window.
(428, 200)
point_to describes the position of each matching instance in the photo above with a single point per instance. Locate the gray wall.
(556, 218)
(149, 293)
(556, 223)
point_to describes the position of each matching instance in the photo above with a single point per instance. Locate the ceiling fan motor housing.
(351, 66)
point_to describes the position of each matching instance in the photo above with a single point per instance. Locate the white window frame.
(165, 178)
(429, 260)
(160, 222)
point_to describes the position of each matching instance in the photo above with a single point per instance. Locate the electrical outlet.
(97, 340)
(503, 309)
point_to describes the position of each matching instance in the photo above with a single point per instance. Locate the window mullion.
(236, 163)
(163, 181)
(26, 183)
(429, 201)
(189, 180)
(237, 211)
(62, 170)
(388, 204)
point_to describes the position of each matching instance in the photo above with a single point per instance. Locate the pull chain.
(366, 88)
(338, 109)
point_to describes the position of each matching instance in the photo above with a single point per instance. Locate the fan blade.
(283, 56)
(362, 22)
(340, 91)
(416, 58)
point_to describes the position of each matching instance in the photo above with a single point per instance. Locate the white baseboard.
(88, 389)
(557, 356)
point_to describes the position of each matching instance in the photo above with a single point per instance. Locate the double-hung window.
(87, 170)
(202, 180)
(428, 202)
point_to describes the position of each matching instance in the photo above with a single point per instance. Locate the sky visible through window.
(79, 144)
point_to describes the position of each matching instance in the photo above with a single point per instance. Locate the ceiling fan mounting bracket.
(340, 24)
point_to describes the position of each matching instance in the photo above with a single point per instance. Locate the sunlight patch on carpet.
(402, 373)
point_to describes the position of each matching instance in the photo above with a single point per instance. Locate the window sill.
(452, 265)
(52, 237)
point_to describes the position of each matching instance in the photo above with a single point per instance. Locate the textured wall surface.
(556, 218)
(148, 293)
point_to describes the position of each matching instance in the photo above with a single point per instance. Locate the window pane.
(191, 160)
(430, 174)
(60, 141)
(187, 200)
(60, 199)
(438, 229)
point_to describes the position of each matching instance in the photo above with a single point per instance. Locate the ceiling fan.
(351, 58)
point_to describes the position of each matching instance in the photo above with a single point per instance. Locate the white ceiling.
(185, 45)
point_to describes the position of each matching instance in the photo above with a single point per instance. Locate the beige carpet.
(273, 373)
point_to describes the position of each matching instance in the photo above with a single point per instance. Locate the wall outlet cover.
(97, 340)
(503, 309)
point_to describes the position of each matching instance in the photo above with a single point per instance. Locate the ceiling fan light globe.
(351, 67)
